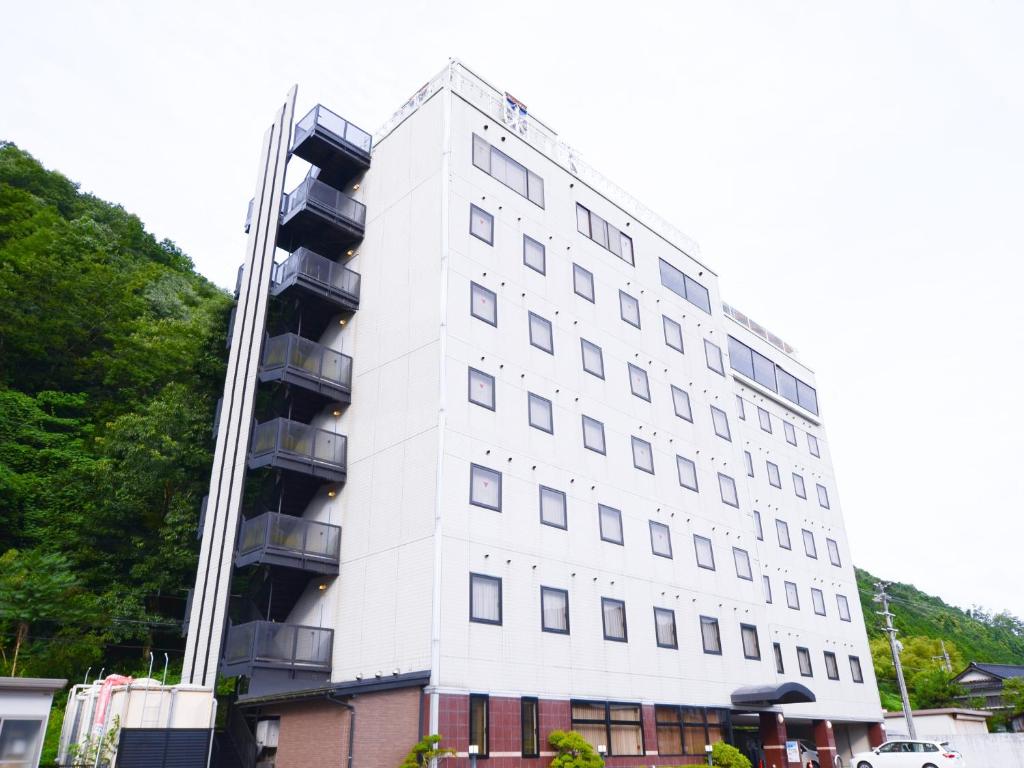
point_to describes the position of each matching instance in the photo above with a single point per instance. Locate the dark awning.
(769, 695)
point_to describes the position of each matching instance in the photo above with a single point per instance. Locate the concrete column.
(876, 734)
(773, 740)
(825, 740)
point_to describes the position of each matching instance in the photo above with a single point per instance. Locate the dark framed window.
(483, 304)
(541, 334)
(479, 715)
(705, 552)
(554, 610)
(618, 727)
(758, 528)
(741, 410)
(681, 403)
(610, 521)
(741, 559)
(812, 445)
(727, 490)
(638, 383)
(779, 666)
(792, 596)
(643, 455)
(798, 486)
(541, 413)
(844, 607)
(687, 472)
(774, 478)
(803, 658)
(593, 359)
(790, 431)
(721, 423)
(484, 599)
(713, 355)
(756, 366)
(782, 531)
(749, 461)
(553, 508)
(481, 389)
(711, 638)
(751, 645)
(534, 255)
(528, 710)
(765, 419)
(481, 224)
(831, 666)
(485, 487)
(818, 601)
(810, 547)
(613, 618)
(665, 628)
(604, 234)
(823, 496)
(629, 309)
(767, 584)
(684, 286)
(684, 730)
(661, 539)
(673, 333)
(833, 553)
(503, 168)
(583, 282)
(856, 673)
(593, 435)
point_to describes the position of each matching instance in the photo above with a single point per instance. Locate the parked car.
(808, 754)
(904, 753)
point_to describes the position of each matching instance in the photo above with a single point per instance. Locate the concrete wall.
(981, 750)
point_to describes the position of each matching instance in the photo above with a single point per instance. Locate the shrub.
(573, 751)
(727, 756)
(424, 751)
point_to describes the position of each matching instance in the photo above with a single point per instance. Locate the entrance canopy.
(770, 695)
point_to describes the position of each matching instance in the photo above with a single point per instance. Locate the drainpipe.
(351, 724)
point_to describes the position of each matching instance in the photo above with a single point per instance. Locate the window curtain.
(486, 599)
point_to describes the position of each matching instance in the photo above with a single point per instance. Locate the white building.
(577, 490)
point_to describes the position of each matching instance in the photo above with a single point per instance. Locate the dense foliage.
(573, 751)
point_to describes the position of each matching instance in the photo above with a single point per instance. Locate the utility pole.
(946, 663)
(882, 597)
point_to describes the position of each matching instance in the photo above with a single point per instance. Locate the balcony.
(268, 645)
(321, 280)
(339, 149)
(291, 542)
(307, 364)
(320, 217)
(299, 448)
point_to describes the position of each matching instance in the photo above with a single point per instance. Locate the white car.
(904, 753)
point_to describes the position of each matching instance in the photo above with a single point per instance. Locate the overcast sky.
(853, 171)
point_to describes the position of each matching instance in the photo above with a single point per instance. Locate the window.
(483, 304)
(782, 530)
(583, 282)
(638, 383)
(812, 445)
(533, 254)
(530, 726)
(481, 224)
(705, 553)
(481, 388)
(552, 508)
(792, 596)
(710, 637)
(749, 460)
(485, 487)
(779, 666)
(673, 333)
(686, 730)
(803, 657)
(798, 486)
(684, 286)
(756, 366)
(593, 434)
(741, 410)
(665, 628)
(818, 601)
(713, 355)
(613, 614)
(643, 455)
(844, 607)
(629, 309)
(604, 234)
(833, 553)
(831, 666)
(727, 488)
(758, 530)
(593, 359)
(478, 716)
(751, 647)
(661, 539)
(513, 175)
(765, 419)
(855, 671)
(810, 548)
(823, 496)
(20, 741)
(773, 475)
(681, 403)
(554, 610)
(610, 520)
(541, 335)
(687, 473)
(484, 599)
(790, 432)
(540, 413)
(721, 423)
(742, 562)
(766, 583)
(615, 726)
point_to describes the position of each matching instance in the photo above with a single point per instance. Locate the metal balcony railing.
(299, 447)
(277, 539)
(308, 364)
(277, 646)
(321, 277)
(321, 119)
(327, 200)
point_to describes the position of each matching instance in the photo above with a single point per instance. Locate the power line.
(883, 597)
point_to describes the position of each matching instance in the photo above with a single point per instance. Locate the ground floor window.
(686, 730)
(478, 722)
(531, 738)
(615, 726)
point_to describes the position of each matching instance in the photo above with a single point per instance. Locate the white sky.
(853, 172)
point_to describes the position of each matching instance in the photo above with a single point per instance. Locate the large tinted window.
(684, 286)
(761, 369)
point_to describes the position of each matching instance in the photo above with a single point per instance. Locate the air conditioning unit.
(267, 732)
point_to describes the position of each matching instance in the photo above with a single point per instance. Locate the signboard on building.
(792, 752)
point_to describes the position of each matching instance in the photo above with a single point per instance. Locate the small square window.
(790, 431)
(742, 562)
(803, 657)
(638, 383)
(661, 539)
(765, 418)
(818, 601)
(833, 553)
(533, 254)
(751, 646)
(792, 596)
(673, 333)
(554, 610)
(773, 475)
(705, 552)
(758, 529)
(767, 584)
(831, 666)
(593, 359)
(583, 282)
(779, 666)
(687, 473)
(749, 460)
(629, 309)
(810, 547)
(481, 388)
(844, 607)
(855, 671)
(812, 445)
(541, 335)
(643, 455)
(481, 224)
(798, 486)
(610, 520)
(593, 434)
(485, 487)
(741, 411)
(541, 415)
(782, 530)
(823, 496)
(713, 355)
(721, 423)
(681, 403)
(613, 614)
(484, 599)
(665, 628)
(727, 487)
(553, 508)
(710, 637)
(483, 304)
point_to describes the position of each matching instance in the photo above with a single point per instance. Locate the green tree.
(426, 750)
(1013, 695)
(933, 689)
(573, 751)
(727, 756)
